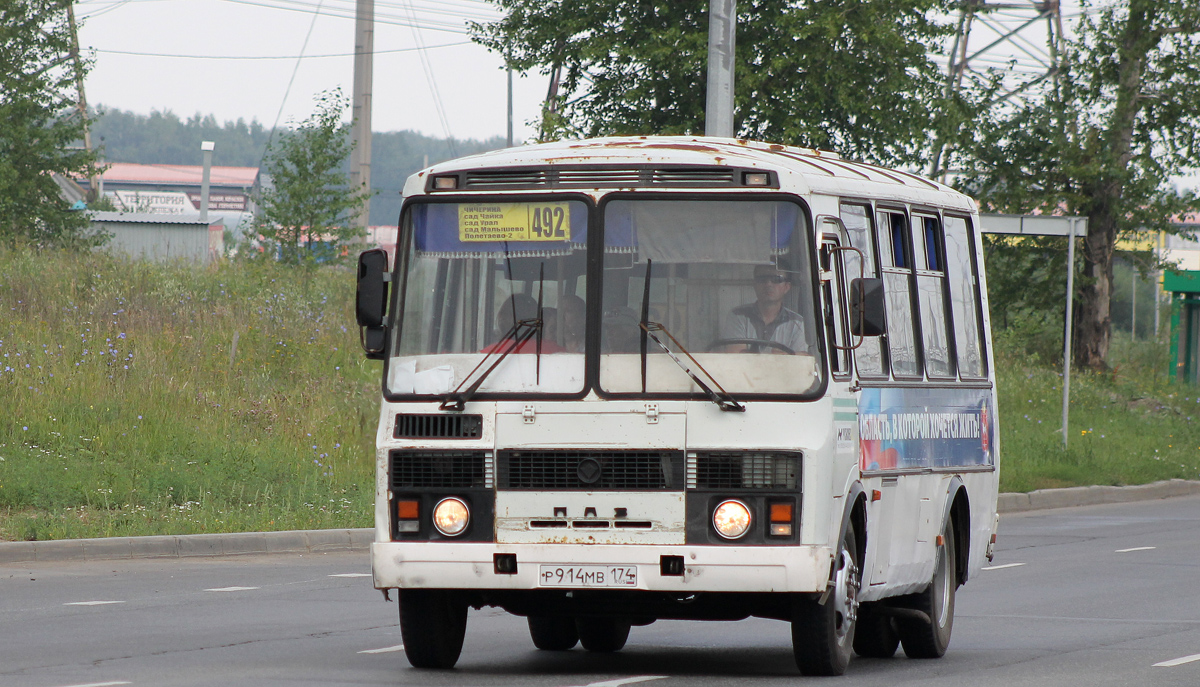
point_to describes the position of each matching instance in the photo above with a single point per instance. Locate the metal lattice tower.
(1022, 38)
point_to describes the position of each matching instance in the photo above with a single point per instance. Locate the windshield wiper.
(516, 337)
(721, 397)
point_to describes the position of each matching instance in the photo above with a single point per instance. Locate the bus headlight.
(731, 519)
(451, 516)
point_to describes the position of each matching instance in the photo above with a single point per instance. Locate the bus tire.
(823, 634)
(875, 634)
(433, 623)
(602, 634)
(929, 639)
(553, 633)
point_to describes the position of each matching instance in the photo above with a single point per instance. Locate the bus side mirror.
(866, 307)
(370, 301)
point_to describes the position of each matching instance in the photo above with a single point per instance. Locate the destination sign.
(514, 222)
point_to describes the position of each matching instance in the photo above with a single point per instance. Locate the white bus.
(631, 379)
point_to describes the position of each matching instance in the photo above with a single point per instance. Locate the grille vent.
(441, 469)
(609, 177)
(618, 470)
(744, 470)
(439, 426)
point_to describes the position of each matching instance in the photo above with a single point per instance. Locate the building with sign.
(175, 190)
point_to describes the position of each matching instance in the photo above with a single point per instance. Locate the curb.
(187, 545)
(322, 541)
(1090, 496)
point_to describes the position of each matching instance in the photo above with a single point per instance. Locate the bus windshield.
(728, 281)
(729, 284)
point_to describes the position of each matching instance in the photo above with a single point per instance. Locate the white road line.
(1178, 661)
(1136, 548)
(351, 575)
(626, 681)
(384, 650)
(95, 603)
(102, 684)
(1002, 567)
(231, 589)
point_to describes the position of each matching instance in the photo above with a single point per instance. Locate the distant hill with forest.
(166, 138)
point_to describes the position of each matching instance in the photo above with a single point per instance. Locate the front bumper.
(436, 565)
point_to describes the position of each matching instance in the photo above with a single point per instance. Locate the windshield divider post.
(541, 293)
(644, 324)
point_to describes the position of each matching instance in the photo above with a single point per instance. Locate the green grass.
(127, 411)
(1127, 426)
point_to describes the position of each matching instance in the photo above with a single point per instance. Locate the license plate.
(588, 576)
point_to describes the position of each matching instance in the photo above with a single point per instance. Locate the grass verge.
(145, 398)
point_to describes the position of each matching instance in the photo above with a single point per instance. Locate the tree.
(1122, 117)
(846, 75)
(37, 76)
(305, 216)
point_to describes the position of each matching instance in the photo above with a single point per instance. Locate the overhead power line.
(270, 57)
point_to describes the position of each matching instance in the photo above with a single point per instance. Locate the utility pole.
(510, 127)
(722, 35)
(364, 65)
(93, 188)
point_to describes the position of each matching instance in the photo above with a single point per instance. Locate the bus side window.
(965, 298)
(857, 219)
(931, 295)
(897, 286)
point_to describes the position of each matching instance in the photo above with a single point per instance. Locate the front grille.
(441, 469)
(590, 470)
(438, 426)
(744, 470)
(596, 176)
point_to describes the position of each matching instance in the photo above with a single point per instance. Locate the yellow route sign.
(514, 222)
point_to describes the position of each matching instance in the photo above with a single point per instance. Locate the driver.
(766, 319)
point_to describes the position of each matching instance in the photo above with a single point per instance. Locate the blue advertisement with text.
(925, 428)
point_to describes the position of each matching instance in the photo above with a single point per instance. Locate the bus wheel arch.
(958, 513)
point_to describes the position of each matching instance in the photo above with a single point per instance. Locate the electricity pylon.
(1022, 38)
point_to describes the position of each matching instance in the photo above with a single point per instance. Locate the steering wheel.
(750, 342)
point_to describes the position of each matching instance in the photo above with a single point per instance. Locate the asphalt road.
(1096, 595)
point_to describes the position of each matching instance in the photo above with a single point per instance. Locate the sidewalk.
(321, 541)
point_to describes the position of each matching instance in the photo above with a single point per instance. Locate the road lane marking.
(96, 603)
(626, 681)
(351, 575)
(384, 650)
(1178, 661)
(1002, 567)
(231, 589)
(103, 684)
(1136, 548)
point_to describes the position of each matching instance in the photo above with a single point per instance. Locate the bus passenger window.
(857, 220)
(931, 295)
(897, 286)
(964, 298)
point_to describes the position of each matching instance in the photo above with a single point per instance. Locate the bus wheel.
(875, 634)
(823, 634)
(929, 640)
(432, 624)
(553, 633)
(602, 634)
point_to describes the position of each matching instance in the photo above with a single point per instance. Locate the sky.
(209, 36)
(238, 59)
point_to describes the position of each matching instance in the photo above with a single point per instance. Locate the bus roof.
(800, 170)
